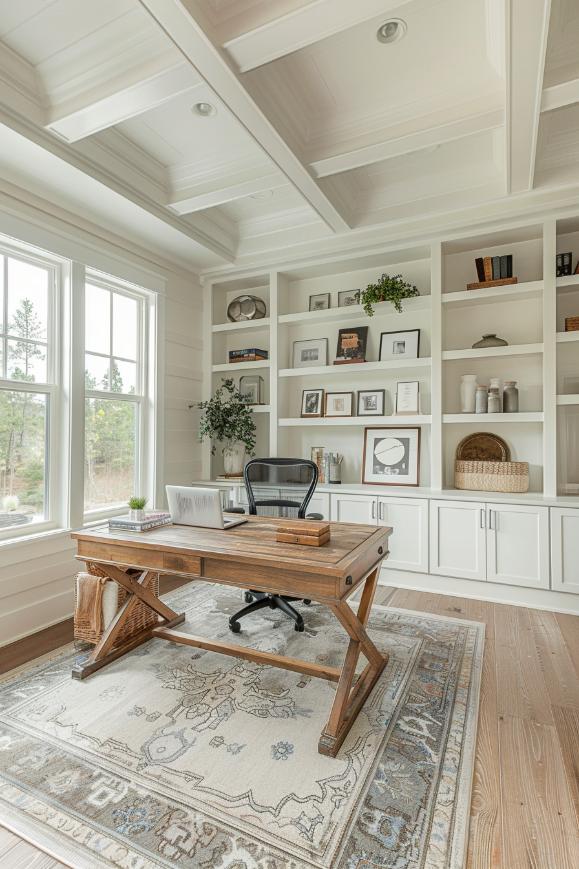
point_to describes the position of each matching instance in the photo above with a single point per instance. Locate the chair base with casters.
(299, 476)
(258, 600)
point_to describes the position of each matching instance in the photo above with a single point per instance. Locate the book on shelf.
(480, 268)
(488, 268)
(506, 270)
(496, 268)
(151, 520)
(253, 354)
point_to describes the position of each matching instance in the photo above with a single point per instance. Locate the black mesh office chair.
(280, 488)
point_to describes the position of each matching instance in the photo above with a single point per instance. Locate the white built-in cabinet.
(354, 508)
(565, 549)
(320, 503)
(409, 545)
(507, 543)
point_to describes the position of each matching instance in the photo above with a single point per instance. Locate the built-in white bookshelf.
(541, 356)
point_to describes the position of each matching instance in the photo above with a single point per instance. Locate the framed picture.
(251, 387)
(308, 353)
(407, 397)
(564, 264)
(313, 402)
(339, 403)
(371, 402)
(347, 298)
(352, 345)
(320, 302)
(399, 345)
(391, 456)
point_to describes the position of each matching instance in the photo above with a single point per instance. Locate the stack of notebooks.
(151, 520)
(252, 354)
(494, 268)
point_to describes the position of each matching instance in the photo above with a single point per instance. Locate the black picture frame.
(401, 355)
(380, 405)
(309, 412)
(352, 344)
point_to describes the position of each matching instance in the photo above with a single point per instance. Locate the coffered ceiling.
(246, 128)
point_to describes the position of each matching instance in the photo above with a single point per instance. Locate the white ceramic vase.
(233, 458)
(467, 393)
(136, 515)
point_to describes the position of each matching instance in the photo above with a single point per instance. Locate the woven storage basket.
(140, 618)
(510, 477)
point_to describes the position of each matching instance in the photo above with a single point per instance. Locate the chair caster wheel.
(235, 627)
(307, 602)
(248, 597)
(299, 626)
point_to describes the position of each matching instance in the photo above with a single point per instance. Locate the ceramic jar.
(494, 400)
(233, 458)
(482, 399)
(467, 393)
(490, 340)
(511, 397)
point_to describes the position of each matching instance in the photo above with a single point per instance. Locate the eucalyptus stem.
(227, 418)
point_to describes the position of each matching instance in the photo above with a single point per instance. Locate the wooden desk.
(248, 556)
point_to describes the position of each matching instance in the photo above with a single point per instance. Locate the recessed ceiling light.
(204, 110)
(391, 31)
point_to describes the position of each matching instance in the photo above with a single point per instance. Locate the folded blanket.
(88, 615)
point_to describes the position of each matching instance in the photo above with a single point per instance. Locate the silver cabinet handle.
(491, 512)
(482, 517)
(373, 509)
(381, 510)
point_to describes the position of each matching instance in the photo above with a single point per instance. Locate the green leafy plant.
(227, 418)
(386, 289)
(137, 503)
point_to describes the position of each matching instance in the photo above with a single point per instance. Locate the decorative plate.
(483, 447)
(246, 308)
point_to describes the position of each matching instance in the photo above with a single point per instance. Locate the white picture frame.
(407, 397)
(339, 404)
(391, 456)
(404, 344)
(310, 353)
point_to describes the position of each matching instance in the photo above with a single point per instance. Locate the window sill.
(37, 536)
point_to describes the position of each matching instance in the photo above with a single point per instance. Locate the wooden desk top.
(253, 542)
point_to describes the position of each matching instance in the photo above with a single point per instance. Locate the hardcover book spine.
(488, 268)
(480, 268)
(496, 268)
(504, 267)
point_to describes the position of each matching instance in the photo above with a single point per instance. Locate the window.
(28, 390)
(114, 393)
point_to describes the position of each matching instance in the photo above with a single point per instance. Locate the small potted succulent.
(228, 419)
(137, 508)
(386, 289)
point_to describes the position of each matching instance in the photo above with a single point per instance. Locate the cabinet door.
(408, 543)
(457, 539)
(565, 549)
(354, 508)
(320, 503)
(518, 545)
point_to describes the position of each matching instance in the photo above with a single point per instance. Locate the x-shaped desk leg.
(349, 700)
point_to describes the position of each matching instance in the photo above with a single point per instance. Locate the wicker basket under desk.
(509, 477)
(140, 618)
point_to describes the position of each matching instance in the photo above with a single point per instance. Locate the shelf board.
(567, 337)
(359, 368)
(490, 295)
(568, 281)
(420, 419)
(487, 352)
(565, 400)
(260, 408)
(355, 312)
(529, 416)
(240, 366)
(243, 326)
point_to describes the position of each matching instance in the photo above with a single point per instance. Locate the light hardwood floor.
(525, 804)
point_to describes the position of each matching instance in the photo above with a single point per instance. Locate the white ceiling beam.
(208, 194)
(303, 27)
(408, 144)
(174, 17)
(527, 28)
(559, 95)
(112, 107)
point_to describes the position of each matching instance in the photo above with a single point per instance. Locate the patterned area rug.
(173, 756)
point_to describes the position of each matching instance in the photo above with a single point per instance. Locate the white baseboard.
(533, 598)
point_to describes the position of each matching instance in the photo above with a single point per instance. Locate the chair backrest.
(280, 487)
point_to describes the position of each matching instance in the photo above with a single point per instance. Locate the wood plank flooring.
(525, 802)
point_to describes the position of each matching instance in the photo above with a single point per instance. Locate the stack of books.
(494, 268)
(253, 354)
(151, 520)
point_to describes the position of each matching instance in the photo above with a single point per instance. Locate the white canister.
(467, 393)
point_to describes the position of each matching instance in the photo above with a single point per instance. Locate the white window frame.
(144, 398)
(53, 503)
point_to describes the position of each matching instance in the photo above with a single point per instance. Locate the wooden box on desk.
(308, 533)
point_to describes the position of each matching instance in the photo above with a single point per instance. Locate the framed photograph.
(307, 354)
(347, 298)
(564, 264)
(391, 456)
(251, 387)
(313, 402)
(320, 302)
(407, 397)
(399, 345)
(352, 345)
(371, 402)
(339, 403)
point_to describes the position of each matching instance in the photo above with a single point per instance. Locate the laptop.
(193, 505)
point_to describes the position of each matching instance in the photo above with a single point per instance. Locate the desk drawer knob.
(348, 580)
(380, 550)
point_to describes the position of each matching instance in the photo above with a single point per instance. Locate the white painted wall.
(36, 576)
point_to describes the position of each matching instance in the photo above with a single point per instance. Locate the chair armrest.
(314, 516)
(234, 510)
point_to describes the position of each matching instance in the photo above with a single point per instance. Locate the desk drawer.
(119, 554)
(190, 564)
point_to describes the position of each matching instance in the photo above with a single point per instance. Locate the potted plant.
(137, 508)
(228, 419)
(386, 289)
